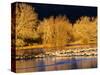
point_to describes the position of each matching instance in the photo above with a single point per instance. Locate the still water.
(55, 63)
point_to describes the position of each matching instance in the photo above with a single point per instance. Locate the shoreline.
(78, 52)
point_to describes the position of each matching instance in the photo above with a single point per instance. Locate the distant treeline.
(28, 30)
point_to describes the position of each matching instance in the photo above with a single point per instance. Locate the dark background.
(71, 11)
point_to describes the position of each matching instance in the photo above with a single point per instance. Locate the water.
(55, 63)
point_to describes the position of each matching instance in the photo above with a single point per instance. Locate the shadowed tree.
(26, 23)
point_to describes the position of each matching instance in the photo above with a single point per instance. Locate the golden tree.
(25, 22)
(45, 29)
(85, 30)
(55, 31)
(63, 31)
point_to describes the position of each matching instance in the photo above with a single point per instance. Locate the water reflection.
(55, 63)
(41, 64)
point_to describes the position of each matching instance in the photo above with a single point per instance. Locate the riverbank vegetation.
(28, 30)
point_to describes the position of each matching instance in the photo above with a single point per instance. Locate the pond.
(55, 63)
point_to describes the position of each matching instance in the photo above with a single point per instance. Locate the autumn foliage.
(85, 30)
(26, 23)
(54, 31)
